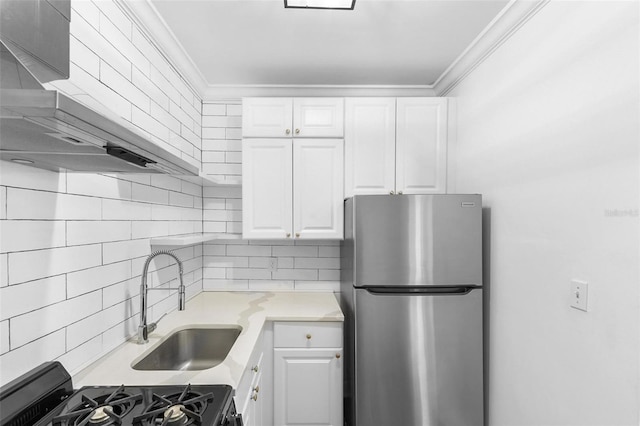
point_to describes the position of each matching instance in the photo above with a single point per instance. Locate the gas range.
(44, 397)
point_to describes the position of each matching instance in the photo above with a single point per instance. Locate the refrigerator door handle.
(440, 291)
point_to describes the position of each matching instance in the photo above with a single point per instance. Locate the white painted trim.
(154, 27)
(500, 29)
(214, 92)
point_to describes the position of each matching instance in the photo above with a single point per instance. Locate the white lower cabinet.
(307, 374)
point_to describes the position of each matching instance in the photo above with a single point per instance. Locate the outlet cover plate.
(579, 295)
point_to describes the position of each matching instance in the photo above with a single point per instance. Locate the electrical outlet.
(273, 264)
(579, 295)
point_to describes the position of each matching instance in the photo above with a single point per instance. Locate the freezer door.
(417, 240)
(418, 359)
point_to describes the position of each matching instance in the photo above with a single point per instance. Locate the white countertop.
(249, 310)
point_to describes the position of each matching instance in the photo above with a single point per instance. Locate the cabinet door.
(318, 188)
(266, 188)
(267, 117)
(308, 387)
(421, 145)
(318, 117)
(370, 146)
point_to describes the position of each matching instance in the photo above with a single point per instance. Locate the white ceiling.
(381, 42)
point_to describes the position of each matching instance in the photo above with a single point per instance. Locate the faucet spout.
(144, 329)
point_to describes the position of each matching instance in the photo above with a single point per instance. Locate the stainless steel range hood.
(48, 129)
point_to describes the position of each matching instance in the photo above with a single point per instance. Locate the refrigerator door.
(418, 359)
(417, 240)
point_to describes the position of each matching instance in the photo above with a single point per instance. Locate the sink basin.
(191, 349)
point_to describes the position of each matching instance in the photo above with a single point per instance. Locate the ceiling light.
(21, 161)
(320, 4)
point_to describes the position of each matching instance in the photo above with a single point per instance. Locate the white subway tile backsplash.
(161, 113)
(125, 210)
(77, 358)
(20, 235)
(92, 279)
(262, 285)
(234, 109)
(3, 202)
(248, 274)
(296, 251)
(323, 286)
(247, 250)
(221, 192)
(331, 251)
(27, 204)
(110, 99)
(23, 359)
(317, 262)
(88, 232)
(329, 274)
(84, 57)
(33, 325)
(124, 250)
(89, 35)
(116, 335)
(113, 62)
(179, 199)
(86, 10)
(166, 182)
(224, 285)
(149, 229)
(213, 133)
(149, 124)
(31, 265)
(233, 134)
(4, 270)
(116, 82)
(121, 292)
(22, 298)
(213, 109)
(96, 324)
(19, 176)
(149, 194)
(98, 186)
(111, 33)
(112, 12)
(4, 337)
(295, 274)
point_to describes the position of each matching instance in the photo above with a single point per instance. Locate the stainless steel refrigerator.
(411, 291)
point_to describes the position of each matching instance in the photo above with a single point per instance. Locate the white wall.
(548, 132)
(73, 245)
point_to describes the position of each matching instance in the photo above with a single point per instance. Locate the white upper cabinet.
(318, 117)
(293, 117)
(421, 145)
(370, 145)
(267, 117)
(317, 189)
(266, 188)
(395, 145)
(292, 189)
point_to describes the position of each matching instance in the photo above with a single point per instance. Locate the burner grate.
(178, 409)
(101, 411)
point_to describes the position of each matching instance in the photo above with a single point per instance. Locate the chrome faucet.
(143, 328)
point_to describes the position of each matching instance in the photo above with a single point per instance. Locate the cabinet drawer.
(307, 334)
(254, 367)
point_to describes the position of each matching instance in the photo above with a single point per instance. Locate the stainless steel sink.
(191, 349)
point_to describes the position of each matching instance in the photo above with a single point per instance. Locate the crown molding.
(154, 27)
(256, 90)
(514, 15)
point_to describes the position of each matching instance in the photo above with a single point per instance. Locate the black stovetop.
(45, 397)
(142, 406)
